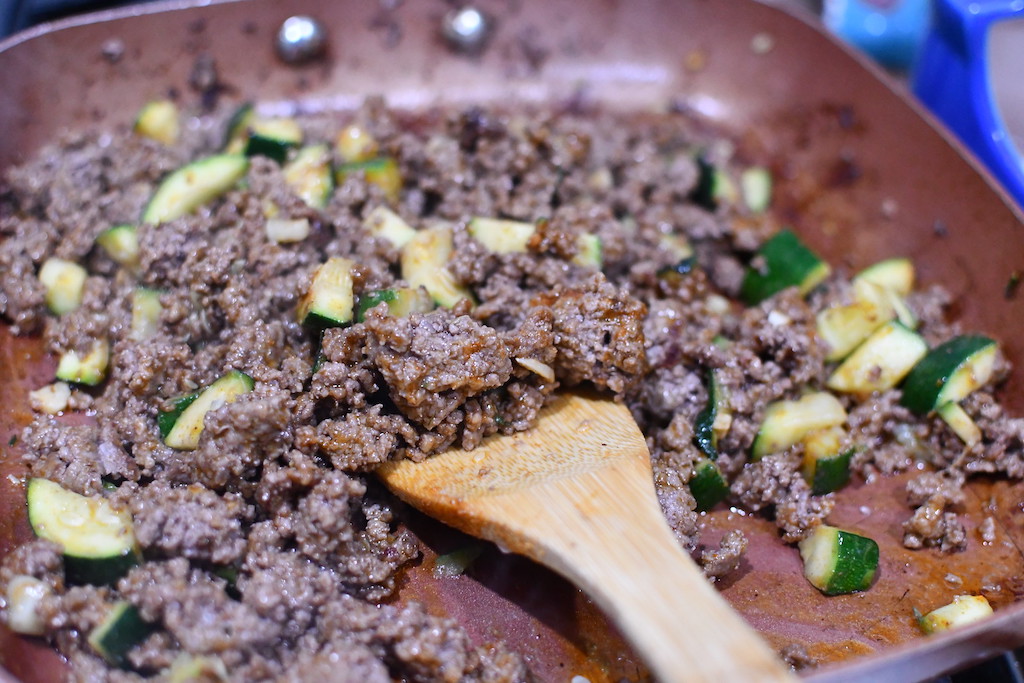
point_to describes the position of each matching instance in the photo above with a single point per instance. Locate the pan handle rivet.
(466, 29)
(301, 39)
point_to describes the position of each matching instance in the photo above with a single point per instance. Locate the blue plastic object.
(891, 31)
(952, 79)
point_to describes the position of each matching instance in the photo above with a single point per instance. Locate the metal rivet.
(466, 29)
(301, 39)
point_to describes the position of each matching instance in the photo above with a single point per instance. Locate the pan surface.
(861, 173)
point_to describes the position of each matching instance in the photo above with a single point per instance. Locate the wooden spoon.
(575, 493)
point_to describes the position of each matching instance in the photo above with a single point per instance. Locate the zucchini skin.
(788, 262)
(194, 184)
(708, 485)
(121, 630)
(704, 435)
(924, 384)
(837, 562)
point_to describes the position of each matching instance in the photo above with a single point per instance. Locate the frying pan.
(862, 173)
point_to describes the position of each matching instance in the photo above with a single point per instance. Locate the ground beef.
(720, 561)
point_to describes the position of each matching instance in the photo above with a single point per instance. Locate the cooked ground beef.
(267, 550)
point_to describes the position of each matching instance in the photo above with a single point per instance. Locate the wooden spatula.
(575, 493)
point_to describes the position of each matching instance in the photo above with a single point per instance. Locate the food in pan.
(250, 312)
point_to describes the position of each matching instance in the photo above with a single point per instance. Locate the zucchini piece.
(787, 262)
(949, 372)
(456, 562)
(502, 236)
(826, 465)
(122, 629)
(24, 595)
(788, 422)
(121, 243)
(424, 260)
(181, 426)
(714, 420)
(64, 282)
(272, 138)
(838, 562)
(384, 223)
(677, 246)
(714, 186)
(284, 231)
(965, 609)
(960, 422)
(51, 399)
(194, 184)
(590, 251)
(881, 362)
(158, 120)
(401, 301)
(188, 668)
(236, 132)
(844, 328)
(707, 485)
(329, 300)
(98, 541)
(380, 171)
(756, 188)
(895, 274)
(146, 312)
(355, 143)
(309, 175)
(90, 369)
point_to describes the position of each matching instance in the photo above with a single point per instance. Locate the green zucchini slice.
(329, 301)
(64, 282)
(90, 369)
(965, 609)
(502, 236)
(401, 301)
(838, 562)
(949, 372)
(788, 422)
(844, 328)
(714, 420)
(236, 132)
(158, 120)
(384, 223)
(424, 264)
(98, 541)
(146, 312)
(881, 362)
(960, 422)
(181, 426)
(590, 251)
(309, 175)
(895, 274)
(786, 262)
(756, 188)
(122, 629)
(708, 485)
(121, 243)
(195, 184)
(272, 138)
(826, 465)
(380, 171)
(714, 185)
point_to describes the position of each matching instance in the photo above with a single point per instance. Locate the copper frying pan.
(863, 174)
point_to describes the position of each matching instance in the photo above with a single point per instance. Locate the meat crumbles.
(265, 549)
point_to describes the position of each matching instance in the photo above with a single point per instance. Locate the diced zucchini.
(677, 246)
(384, 223)
(424, 264)
(381, 171)
(950, 372)
(329, 301)
(64, 282)
(284, 230)
(826, 465)
(158, 120)
(24, 595)
(98, 541)
(896, 274)
(456, 562)
(146, 312)
(90, 369)
(355, 143)
(838, 562)
(539, 368)
(714, 186)
(181, 426)
(965, 609)
(193, 185)
(401, 301)
(272, 138)
(188, 668)
(788, 422)
(881, 362)
(309, 175)
(121, 243)
(756, 187)
(707, 485)
(960, 422)
(237, 130)
(122, 629)
(845, 327)
(590, 252)
(714, 420)
(502, 236)
(785, 262)
(51, 399)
